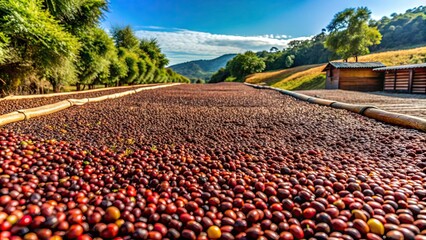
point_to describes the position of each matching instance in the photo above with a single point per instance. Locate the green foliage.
(61, 73)
(38, 43)
(402, 30)
(311, 51)
(125, 38)
(245, 64)
(199, 81)
(95, 56)
(220, 75)
(350, 35)
(89, 14)
(299, 52)
(355, 33)
(130, 59)
(277, 59)
(60, 41)
(172, 76)
(153, 50)
(117, 70)
(24, 22)
(142, 71)
(239, 67)
(4, 44)
(62, 10)
(143, 59)
(157, 75)
(149, 75)
(76, 14)
(232, 79)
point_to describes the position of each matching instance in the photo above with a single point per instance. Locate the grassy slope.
(310, 76)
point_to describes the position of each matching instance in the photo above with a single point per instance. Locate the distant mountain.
(202, 69)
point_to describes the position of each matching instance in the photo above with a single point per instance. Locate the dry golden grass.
(310, 71)
(309, 76)
(270, 78)
(399, 57)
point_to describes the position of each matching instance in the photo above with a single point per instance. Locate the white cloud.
(182, 45)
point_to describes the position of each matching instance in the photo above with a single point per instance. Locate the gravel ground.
(411, 104)
(7, 106)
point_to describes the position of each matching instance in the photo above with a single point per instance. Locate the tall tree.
(245, 64)
(61, 41)
(95, 56)
(125, 38)
(128, 52)
(38, 45)
(77, 15)
(350, 35)
(153, 50)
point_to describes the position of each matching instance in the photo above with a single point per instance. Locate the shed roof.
(410, 66)
(354, 65)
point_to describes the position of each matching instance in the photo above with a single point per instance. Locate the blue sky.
(202, 29)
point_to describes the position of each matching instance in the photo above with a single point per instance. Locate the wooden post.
(394, 81)
(410, 81)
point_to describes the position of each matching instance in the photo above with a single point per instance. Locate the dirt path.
(411, 104)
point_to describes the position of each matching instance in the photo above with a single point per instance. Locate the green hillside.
(309, 77)
(401, 31)
(202, 69)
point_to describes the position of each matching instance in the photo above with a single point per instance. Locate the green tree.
(117, 70)
(131, 61)
(142, 71)
(278, 60)
(125, 38)
(350, 35)
(150, 70)
(77, 15)
(310, 51)
(95, 57)
(153, 50)
(61, 41)
(220, 75)
(38, 45)
(404, 30)
(128, 53)
(245, 64)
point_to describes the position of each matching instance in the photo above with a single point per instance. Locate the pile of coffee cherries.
(60, 190)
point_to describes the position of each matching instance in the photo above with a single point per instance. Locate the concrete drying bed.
(411, 104)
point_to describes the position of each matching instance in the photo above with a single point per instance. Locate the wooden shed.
(356, 76)
(405, 78)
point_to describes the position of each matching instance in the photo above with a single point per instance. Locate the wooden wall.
(332, 80)
(419, 80)
(360, 80)
(399, 80)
